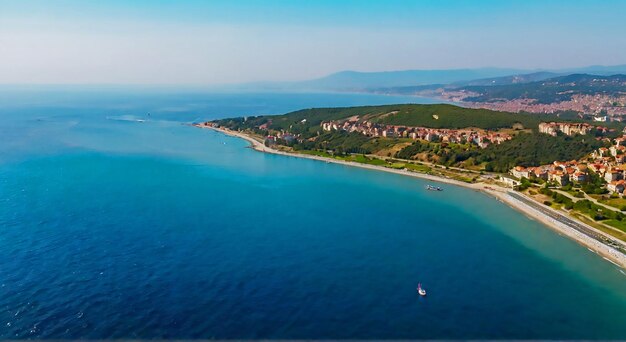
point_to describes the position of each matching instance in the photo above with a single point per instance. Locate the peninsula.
(599, 96)
(473, 148)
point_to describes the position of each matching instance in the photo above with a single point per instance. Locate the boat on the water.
(433, 188)
(420, 290)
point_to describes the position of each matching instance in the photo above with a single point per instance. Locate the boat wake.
(129, 118)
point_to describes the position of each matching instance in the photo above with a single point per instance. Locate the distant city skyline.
(227, 42)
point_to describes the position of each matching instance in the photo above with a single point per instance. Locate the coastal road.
(592, 233)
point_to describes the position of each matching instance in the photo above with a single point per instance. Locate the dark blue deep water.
(115, 228)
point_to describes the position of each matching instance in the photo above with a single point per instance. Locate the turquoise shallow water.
(113, 228)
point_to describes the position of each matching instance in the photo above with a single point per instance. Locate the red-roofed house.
(559, 177)
(616, 186)
(520, 172)
(578, 177)
(613, 175)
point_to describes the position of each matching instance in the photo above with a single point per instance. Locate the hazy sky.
(213, 42)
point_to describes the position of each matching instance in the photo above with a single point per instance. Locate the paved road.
(571, 223)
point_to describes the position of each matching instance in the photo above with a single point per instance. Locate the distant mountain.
(355, 80)
(595, 70)
(408, 81)
(598, 70)
(420, 90)
(588, 80)
(425, 90)
(551, 90)
(512, 79)
(359, 81)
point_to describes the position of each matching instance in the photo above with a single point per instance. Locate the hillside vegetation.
(527, 148)
(555, 89)
(449, 116)
(307, 121)
(535, 149)
(524, 149)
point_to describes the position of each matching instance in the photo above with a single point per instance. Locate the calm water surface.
(115, 228)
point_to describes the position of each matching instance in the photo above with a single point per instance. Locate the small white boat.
(420, 290)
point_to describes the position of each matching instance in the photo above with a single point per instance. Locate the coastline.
(547, 216)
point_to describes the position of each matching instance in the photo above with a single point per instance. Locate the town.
(602, 107)
(480, 138)
(609, 163)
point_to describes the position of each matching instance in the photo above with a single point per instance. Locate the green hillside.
(449, 116)
(425, 115)
(526, 149)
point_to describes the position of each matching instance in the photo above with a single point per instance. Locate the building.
(578, 177)
(567, 128)
(388, 133)
(613, 175)
(559, 177)
(617, 149)
(480, 138)
(270, 140)
(616, 186)
(509, 181)
(540, 173)
(520, 172)
(548, 128)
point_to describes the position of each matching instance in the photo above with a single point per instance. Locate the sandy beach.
(547, 216)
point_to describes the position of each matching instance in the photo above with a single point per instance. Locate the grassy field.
(418, 168)
(315, 153)
(621, 225)
(619, 203)
(359, 158)
(394, 164)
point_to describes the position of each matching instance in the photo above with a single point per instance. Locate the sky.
(226, 42)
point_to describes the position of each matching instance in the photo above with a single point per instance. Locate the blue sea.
(118, 220)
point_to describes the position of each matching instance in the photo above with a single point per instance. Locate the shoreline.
(546, 216)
